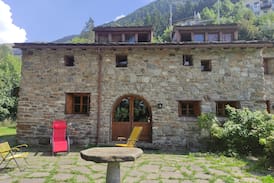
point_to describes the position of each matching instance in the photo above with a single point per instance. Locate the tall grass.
(8, 123)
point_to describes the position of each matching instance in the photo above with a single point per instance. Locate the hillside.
(157, 13)
(65, 39)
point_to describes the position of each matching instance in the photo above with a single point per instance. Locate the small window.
(69, 60)
(143, 37)
(77, 103)
(187, 60)
(227, 37)
(268, 64)
(199, 37)
(267, 103)
(213, 37)
(189, 108)
(221, 105)
(130, 38)
(116, 38)
(206, 65)
(103, 38)
(185, 37)
(121, 61)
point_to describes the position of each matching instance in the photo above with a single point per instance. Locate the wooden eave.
(123, 29)
(192, 45)
(212, 27)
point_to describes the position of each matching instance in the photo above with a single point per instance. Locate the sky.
(49, 20)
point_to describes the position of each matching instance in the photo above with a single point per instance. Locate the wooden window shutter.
(69, 101)
(197, 108)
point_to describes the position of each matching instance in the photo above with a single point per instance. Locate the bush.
(244, 132)
(268, 144)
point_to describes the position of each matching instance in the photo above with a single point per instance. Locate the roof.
(127, 28)
(206, 27)
(234, 44)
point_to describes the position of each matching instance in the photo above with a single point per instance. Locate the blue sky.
(48, 20)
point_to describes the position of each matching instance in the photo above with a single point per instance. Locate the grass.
(4, 131)
(8, 131)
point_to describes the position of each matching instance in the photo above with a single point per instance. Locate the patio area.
(152, 166)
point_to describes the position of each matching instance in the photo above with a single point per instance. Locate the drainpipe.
(99, 95)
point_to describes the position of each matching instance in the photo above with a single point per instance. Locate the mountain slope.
(158, 13)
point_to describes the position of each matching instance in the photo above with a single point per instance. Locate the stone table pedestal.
(113, 156)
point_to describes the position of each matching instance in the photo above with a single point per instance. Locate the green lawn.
(4, 131)
(8, 132)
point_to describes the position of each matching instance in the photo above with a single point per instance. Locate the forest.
(157, 14)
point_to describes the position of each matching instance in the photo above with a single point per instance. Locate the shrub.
(268, 144)
(244, 132)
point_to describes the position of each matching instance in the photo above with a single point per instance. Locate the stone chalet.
(124, 80)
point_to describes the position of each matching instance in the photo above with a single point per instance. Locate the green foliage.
(268, 179)
(87, 35)
(243, 132)
(157, 14)
(78, 39)
(244, 128)
(265, 23)
(166, 36)
(10, 68)
(251, 27)
(268, 143)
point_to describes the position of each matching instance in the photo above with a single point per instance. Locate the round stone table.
(113, 156)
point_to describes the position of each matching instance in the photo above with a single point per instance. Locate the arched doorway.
(130, 111)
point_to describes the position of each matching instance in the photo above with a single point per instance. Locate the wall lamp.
(159, 105)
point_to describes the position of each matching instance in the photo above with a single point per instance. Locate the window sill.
(188, 118)
(77, 115)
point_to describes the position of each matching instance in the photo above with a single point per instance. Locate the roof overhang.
(235, 44)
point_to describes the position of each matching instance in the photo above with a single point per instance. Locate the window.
(267, 103)
(103, 38)
(205, 65)
(187, 60)
(116, 38)
(220, 107)
(227, 37)
(69, 60)
(130, 38)
(77, 103)
(213, 37)
(121, 61)
(143, 37)
(268, 64)
(199, 37)
(185, 37)
(189, 108)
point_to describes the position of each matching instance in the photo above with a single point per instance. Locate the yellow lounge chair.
(7, 153)
(133, 138)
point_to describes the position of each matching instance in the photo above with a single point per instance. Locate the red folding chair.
(60, 139)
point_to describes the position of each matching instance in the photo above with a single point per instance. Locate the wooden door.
(130, 111)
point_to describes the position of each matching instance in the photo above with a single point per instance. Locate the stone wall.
(156, 74)
(269, 78)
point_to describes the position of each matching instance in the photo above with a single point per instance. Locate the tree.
(251, 27)
(79, 39)
(87, 34)
(265, 23)
(10, 68)
(166, 36)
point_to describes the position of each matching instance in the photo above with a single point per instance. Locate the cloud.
(9, 33)
(119, 17)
